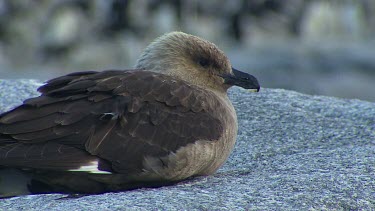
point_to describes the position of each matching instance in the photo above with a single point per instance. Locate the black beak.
(241, 79)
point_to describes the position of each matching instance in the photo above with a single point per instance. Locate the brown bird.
(92, 132)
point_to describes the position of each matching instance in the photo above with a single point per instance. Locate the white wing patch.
(91, 168)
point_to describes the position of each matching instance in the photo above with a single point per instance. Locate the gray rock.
(293, 152)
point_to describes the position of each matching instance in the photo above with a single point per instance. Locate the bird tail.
(13, 182)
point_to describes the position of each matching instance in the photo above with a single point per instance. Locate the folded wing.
(113, 118)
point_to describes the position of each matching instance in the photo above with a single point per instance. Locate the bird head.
(194, 60)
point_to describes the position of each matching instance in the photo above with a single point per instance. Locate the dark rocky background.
(324, 47)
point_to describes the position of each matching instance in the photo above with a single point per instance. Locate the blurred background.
(322, 47)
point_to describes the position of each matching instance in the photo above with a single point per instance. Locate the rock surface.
(293, 152)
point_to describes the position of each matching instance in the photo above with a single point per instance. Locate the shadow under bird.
(166, 120)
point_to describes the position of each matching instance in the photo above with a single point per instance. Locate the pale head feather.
(187, 57)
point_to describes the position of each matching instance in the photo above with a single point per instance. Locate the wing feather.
(119, 117)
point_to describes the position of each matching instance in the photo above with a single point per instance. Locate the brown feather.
(48, 155)
(27, 126)
(119, 116)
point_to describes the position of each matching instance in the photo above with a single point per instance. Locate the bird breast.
(203, 157)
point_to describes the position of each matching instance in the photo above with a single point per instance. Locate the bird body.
(91, 132)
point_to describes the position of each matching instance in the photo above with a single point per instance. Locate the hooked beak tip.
(242, 79)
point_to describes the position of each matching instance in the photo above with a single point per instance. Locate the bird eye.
(203, 62)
